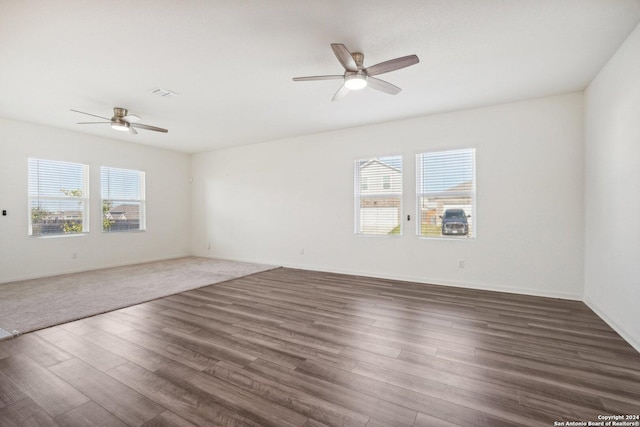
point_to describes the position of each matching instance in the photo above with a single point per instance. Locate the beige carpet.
(35, 304)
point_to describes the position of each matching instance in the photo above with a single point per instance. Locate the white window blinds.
(58, 198)
(446, 193)
(123, 199)
(378, 196)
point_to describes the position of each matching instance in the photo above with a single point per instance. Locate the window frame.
(467, 193)
(84, 200)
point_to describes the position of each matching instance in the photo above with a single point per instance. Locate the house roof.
(232, 63)
(377, 162)
(129, 211)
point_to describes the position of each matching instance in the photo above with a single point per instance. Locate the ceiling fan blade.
(132, 131)
(92, 123)
(131, 118)
(344, 56)
(392, 65)
(147, 127)
(82, 112)
(341, 93)
(309, 78)
(383, 86)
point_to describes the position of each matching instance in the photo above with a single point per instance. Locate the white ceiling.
(231, 62)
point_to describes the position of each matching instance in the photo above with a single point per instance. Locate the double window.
(445, 194)
(59, 198)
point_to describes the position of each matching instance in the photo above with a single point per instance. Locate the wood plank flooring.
(299, 348)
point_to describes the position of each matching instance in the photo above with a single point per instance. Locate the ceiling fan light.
(355, 81)
(121, 126)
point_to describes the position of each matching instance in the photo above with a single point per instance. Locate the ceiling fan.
(122, 121)
(357, 77)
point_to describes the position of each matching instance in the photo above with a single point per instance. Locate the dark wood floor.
(298, 348)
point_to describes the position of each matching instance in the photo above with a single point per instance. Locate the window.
(446, 193)
(58, 198)
(386, 182)
(378, 196)
(123, 199)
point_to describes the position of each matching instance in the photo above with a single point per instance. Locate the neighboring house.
(124, 213)
(380, 201)
(379, 178)
(53, 217)
(124, 217)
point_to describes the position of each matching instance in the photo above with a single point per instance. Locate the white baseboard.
(441, 282)
(425, 280)
(98, 267)
(616, 327)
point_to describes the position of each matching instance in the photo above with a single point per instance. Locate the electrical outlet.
(461, 263)
(302, 251)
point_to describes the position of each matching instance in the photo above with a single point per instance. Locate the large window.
(123, 199)
(446, 193)
(58, 198)
(378, 196)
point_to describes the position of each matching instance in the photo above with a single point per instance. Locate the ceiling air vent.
(164, 93)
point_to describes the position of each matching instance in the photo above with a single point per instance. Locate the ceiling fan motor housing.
(359, 58)
(119, 112)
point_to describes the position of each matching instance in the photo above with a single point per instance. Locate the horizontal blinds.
(446, 193)
(123, 199)
(121, 184)
(58, 197)
(48, 178)
(378, 195)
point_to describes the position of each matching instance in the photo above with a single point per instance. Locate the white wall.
(612, 191)
(167, 191)
(263, 202)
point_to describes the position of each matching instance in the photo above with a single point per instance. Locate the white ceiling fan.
(122, 121)
(357, 77)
